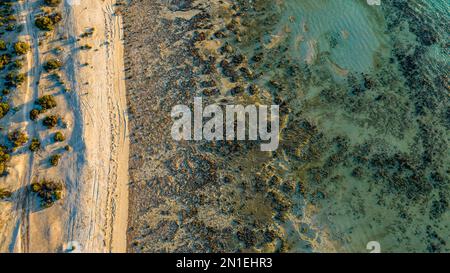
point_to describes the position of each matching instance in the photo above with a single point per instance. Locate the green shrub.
(46, 102)
(52, 64)
(21, 48)
(10, 27)
(18, 138)
(88, 33)
(54, 159)
(51, 121)
(59, 137)
(3, 45)
(56, 17)
(11, 18)
(86, 47)
(35, 145)
(4, 159)
(4, 60)
(48, 22)
(4, 109)
(52, 3)
(34, 114)
(44, 23)
(48, 191)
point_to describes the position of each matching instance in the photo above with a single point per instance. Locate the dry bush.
(48, 22)
(18, 138)
(54, 159)
(52, 64)
(4, 159)
(4, 109)
(48, 191)
(46, 102)
(51, 121)
(59, 137)
(4, 194)
(35, 145)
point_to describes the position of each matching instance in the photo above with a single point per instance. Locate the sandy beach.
(103, 106)
(92, 106)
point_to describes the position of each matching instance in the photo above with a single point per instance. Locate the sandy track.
(103, 107)
(34, 71)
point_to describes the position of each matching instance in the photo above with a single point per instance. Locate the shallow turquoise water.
(345, 29)
(403, 50)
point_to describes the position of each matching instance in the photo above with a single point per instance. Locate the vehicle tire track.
(32, 92)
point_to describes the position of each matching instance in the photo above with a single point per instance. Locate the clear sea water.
(339, 40)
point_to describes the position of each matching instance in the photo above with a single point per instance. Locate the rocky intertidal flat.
(364, 150)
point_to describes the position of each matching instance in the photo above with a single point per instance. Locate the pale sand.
(94, 210)
(102, 216)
